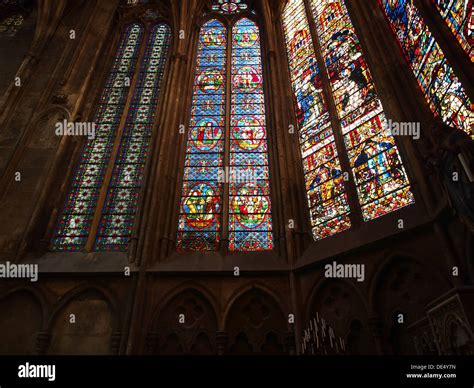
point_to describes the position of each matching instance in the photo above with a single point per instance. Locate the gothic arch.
(311, 298)
(457, 335)
(255, 323)
(343, 306)
(399, 292)
(383, 268)
(186, 323)
(92, 335)
(246, 288)
(60, 109)
(187, 286)
(35, 293)
(23, 315)
(79, 291)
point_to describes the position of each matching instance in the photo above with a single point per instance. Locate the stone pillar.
(376, 328)
(222, 341)
(43, 340)
(115, 342)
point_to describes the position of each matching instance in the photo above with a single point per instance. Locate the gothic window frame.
(229, 21)
(358, 224)
(449, 64)
(140, 15)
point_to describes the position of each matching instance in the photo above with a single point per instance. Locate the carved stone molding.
(450, 325)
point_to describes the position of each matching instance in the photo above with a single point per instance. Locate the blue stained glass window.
(201, 201)
(246, 171)
(250, 222)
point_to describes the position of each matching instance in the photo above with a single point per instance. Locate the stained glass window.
(208, 169)
(10, 25)
(442, 89)
(76, 219)
(381, 180)
(228, 6)
(201, 202)
(123, 196)
(323, 173)
(459, 16)
(250, 224)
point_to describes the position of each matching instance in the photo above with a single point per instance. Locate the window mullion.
(115, 149)
(227, 135)
(350, 186)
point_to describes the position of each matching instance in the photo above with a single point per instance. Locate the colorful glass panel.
(76, 218)
(325, 187)
(228, 6)
(250, 221)
(442, 89)
(458, 15)
(382, 183)
(123, 197)
(201, 202)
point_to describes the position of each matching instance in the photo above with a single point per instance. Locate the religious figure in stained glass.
(443, 90)
(327, 197)
(458, 15)
(382, 184)
(201, 202)
(248, 204)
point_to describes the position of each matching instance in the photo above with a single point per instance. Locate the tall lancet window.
(201, 204)
(459, 16)
(443, 90)
(101, 207)
(250, 223)
(226, 190)
(381, 182)
(327, 196)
